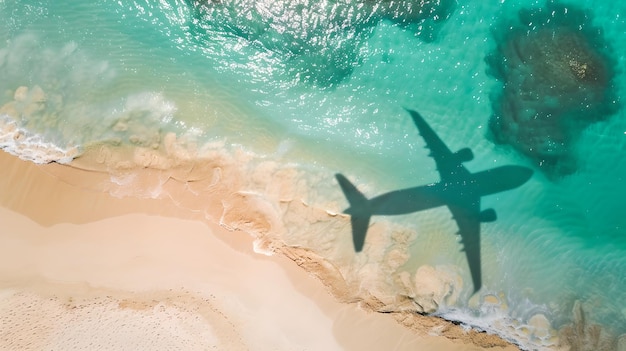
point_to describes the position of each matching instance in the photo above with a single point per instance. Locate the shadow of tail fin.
(359, 211)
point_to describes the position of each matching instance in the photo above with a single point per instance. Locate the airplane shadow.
(459, 190)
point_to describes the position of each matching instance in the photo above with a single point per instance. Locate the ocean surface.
(323, 85)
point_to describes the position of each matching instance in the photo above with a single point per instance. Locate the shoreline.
(46, 204)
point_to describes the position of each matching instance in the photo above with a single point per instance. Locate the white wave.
(31, 147)
(533, 332)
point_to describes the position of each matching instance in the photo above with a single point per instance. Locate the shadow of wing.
(469, 229)
(360, 224)
(359, 211)
(447, 164)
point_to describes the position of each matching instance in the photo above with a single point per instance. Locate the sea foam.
(30, 104)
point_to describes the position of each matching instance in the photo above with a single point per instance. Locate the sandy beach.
(81, 269)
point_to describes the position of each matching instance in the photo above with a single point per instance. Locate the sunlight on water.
(325, 84)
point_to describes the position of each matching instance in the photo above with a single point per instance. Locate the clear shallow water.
(327, 87)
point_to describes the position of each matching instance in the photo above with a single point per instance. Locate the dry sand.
(80, 269)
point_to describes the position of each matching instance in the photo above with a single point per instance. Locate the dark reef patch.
(423, 17)
(557, 78)
(318, 40)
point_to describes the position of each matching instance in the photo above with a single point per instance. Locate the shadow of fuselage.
(459, 190)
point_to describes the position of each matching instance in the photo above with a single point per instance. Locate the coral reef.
(318, 41)
(557, 78)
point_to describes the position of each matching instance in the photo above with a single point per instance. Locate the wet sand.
(82, 269)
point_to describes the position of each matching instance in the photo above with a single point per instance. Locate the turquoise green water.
(325, 83)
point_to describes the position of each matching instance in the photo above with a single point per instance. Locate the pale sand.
(80, 269)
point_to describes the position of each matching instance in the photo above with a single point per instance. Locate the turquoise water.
(325, 84)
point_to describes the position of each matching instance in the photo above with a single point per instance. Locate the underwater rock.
(434, 287)
(27, 104)
(424, 17)
(318, 41)
(584, 336)
(557, 78)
